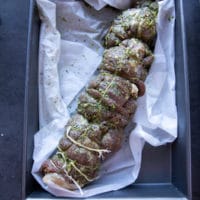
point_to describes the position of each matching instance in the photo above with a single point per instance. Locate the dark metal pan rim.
(176, 188)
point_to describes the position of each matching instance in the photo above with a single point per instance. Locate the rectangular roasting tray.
(165, 171)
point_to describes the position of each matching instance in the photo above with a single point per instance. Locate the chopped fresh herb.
(170, 18)
(65, 20)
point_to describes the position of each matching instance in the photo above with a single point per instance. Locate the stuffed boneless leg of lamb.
(105, 108)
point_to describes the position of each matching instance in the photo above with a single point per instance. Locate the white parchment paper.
(70, 51)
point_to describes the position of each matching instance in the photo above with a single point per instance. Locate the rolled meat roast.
(106, 107)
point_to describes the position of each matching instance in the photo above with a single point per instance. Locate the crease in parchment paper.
(70, 51)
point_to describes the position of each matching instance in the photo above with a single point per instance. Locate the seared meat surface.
(107, 105)
(131, 60)
(134, 23)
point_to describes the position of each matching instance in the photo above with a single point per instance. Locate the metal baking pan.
(166, 170)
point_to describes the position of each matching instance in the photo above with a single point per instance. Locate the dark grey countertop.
(13, 47)
(192, 18)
